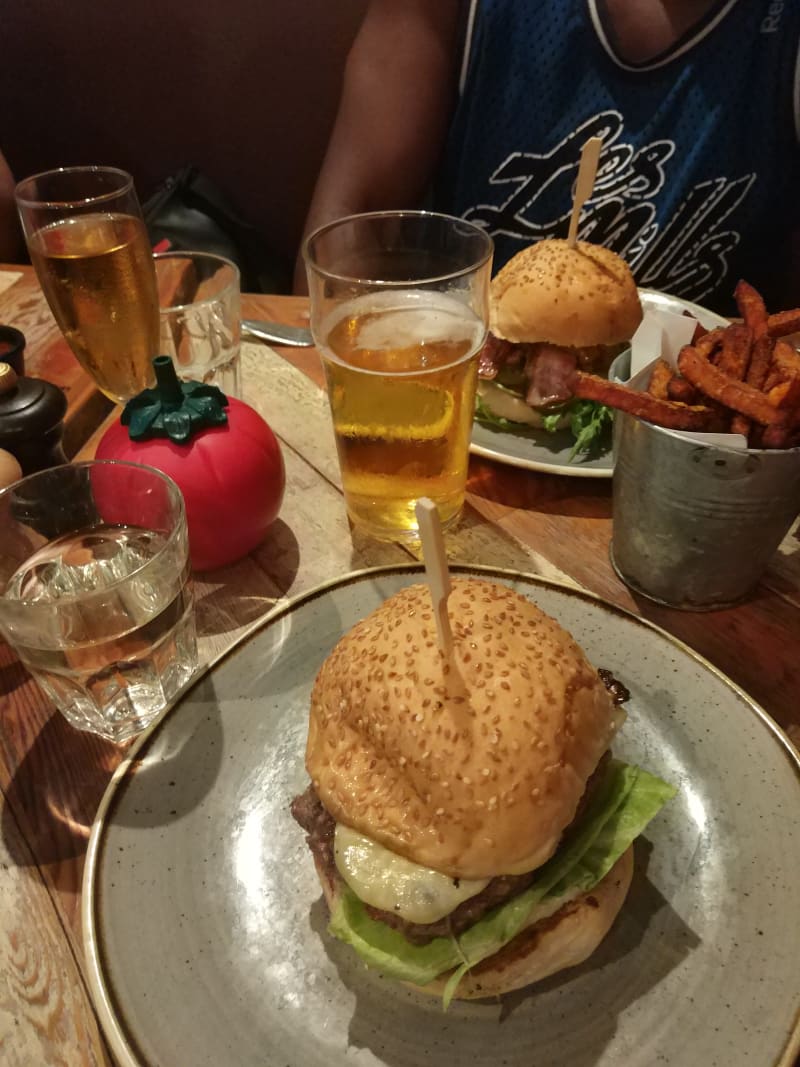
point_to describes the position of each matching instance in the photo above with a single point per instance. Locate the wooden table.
(52, 777)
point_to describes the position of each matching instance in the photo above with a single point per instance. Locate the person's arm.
(397, 96)
(10, 239)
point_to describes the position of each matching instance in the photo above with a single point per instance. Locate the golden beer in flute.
(97, 273)
(401, 369)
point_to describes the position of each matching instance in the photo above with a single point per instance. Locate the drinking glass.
(399, 311)
(200, 317)
(91, 252)
(95, 591)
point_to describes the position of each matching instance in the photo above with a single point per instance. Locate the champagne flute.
(89, 245)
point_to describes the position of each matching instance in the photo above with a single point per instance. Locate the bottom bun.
(564, 940)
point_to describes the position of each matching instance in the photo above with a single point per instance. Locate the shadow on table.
(547, 493)
(54, 792)
(551, 1021)
(232, 597)
(55, 789)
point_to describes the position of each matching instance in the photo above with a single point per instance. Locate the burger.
(470, 829)
(554, 309)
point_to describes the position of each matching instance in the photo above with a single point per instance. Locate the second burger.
(555, 309)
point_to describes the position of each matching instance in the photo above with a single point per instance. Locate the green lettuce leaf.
(589, 423)
(621, 807)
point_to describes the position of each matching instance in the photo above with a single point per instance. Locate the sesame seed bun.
(577, 297)
(472, 765)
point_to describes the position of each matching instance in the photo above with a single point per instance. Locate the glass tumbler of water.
(95, 591)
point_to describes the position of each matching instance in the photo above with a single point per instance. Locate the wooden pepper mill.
(31, 420)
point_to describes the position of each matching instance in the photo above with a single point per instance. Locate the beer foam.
(404, 327)
(411, 317)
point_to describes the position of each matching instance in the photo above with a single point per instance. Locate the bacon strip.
(494, 354)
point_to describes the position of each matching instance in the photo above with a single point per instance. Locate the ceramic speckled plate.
(538, 450)
(205, 933)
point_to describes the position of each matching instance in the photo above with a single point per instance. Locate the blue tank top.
(699, 176)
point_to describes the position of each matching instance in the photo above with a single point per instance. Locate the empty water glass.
(199, 302)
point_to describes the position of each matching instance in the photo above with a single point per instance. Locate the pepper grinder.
(31, 420)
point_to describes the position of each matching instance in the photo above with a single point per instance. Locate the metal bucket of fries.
(695, 526)
(706, 455)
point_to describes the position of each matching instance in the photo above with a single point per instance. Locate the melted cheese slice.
(392, 883)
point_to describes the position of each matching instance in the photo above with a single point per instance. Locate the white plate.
(205, 932)
(538, 450)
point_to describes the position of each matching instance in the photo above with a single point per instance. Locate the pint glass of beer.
(89, 245)
(399, 310)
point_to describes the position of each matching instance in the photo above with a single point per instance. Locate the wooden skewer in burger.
(469, 828)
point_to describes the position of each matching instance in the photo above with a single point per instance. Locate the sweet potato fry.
(699, 331)
(644, 406)
(774, 377)
(760, 361)
(734, 356)
(784, 434)
(758, 370)
(660, 379)
(710, 341)
(752, 308)
(742, 378)
(783, 322)
(786, 396)
(681, 390)
(743, 398)
(785, 360)
(755, 437)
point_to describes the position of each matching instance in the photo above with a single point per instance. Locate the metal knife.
(278, 333)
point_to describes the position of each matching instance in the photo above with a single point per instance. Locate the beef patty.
(319, 826)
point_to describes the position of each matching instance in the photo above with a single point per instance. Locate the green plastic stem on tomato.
(172, 408)
(167, 385)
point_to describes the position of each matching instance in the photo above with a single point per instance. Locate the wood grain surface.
(52, 777)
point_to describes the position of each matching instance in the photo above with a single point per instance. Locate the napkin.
(7, 279)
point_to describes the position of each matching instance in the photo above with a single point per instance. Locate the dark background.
(244, 89)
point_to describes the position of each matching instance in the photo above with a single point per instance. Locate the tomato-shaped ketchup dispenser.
(221, 453)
